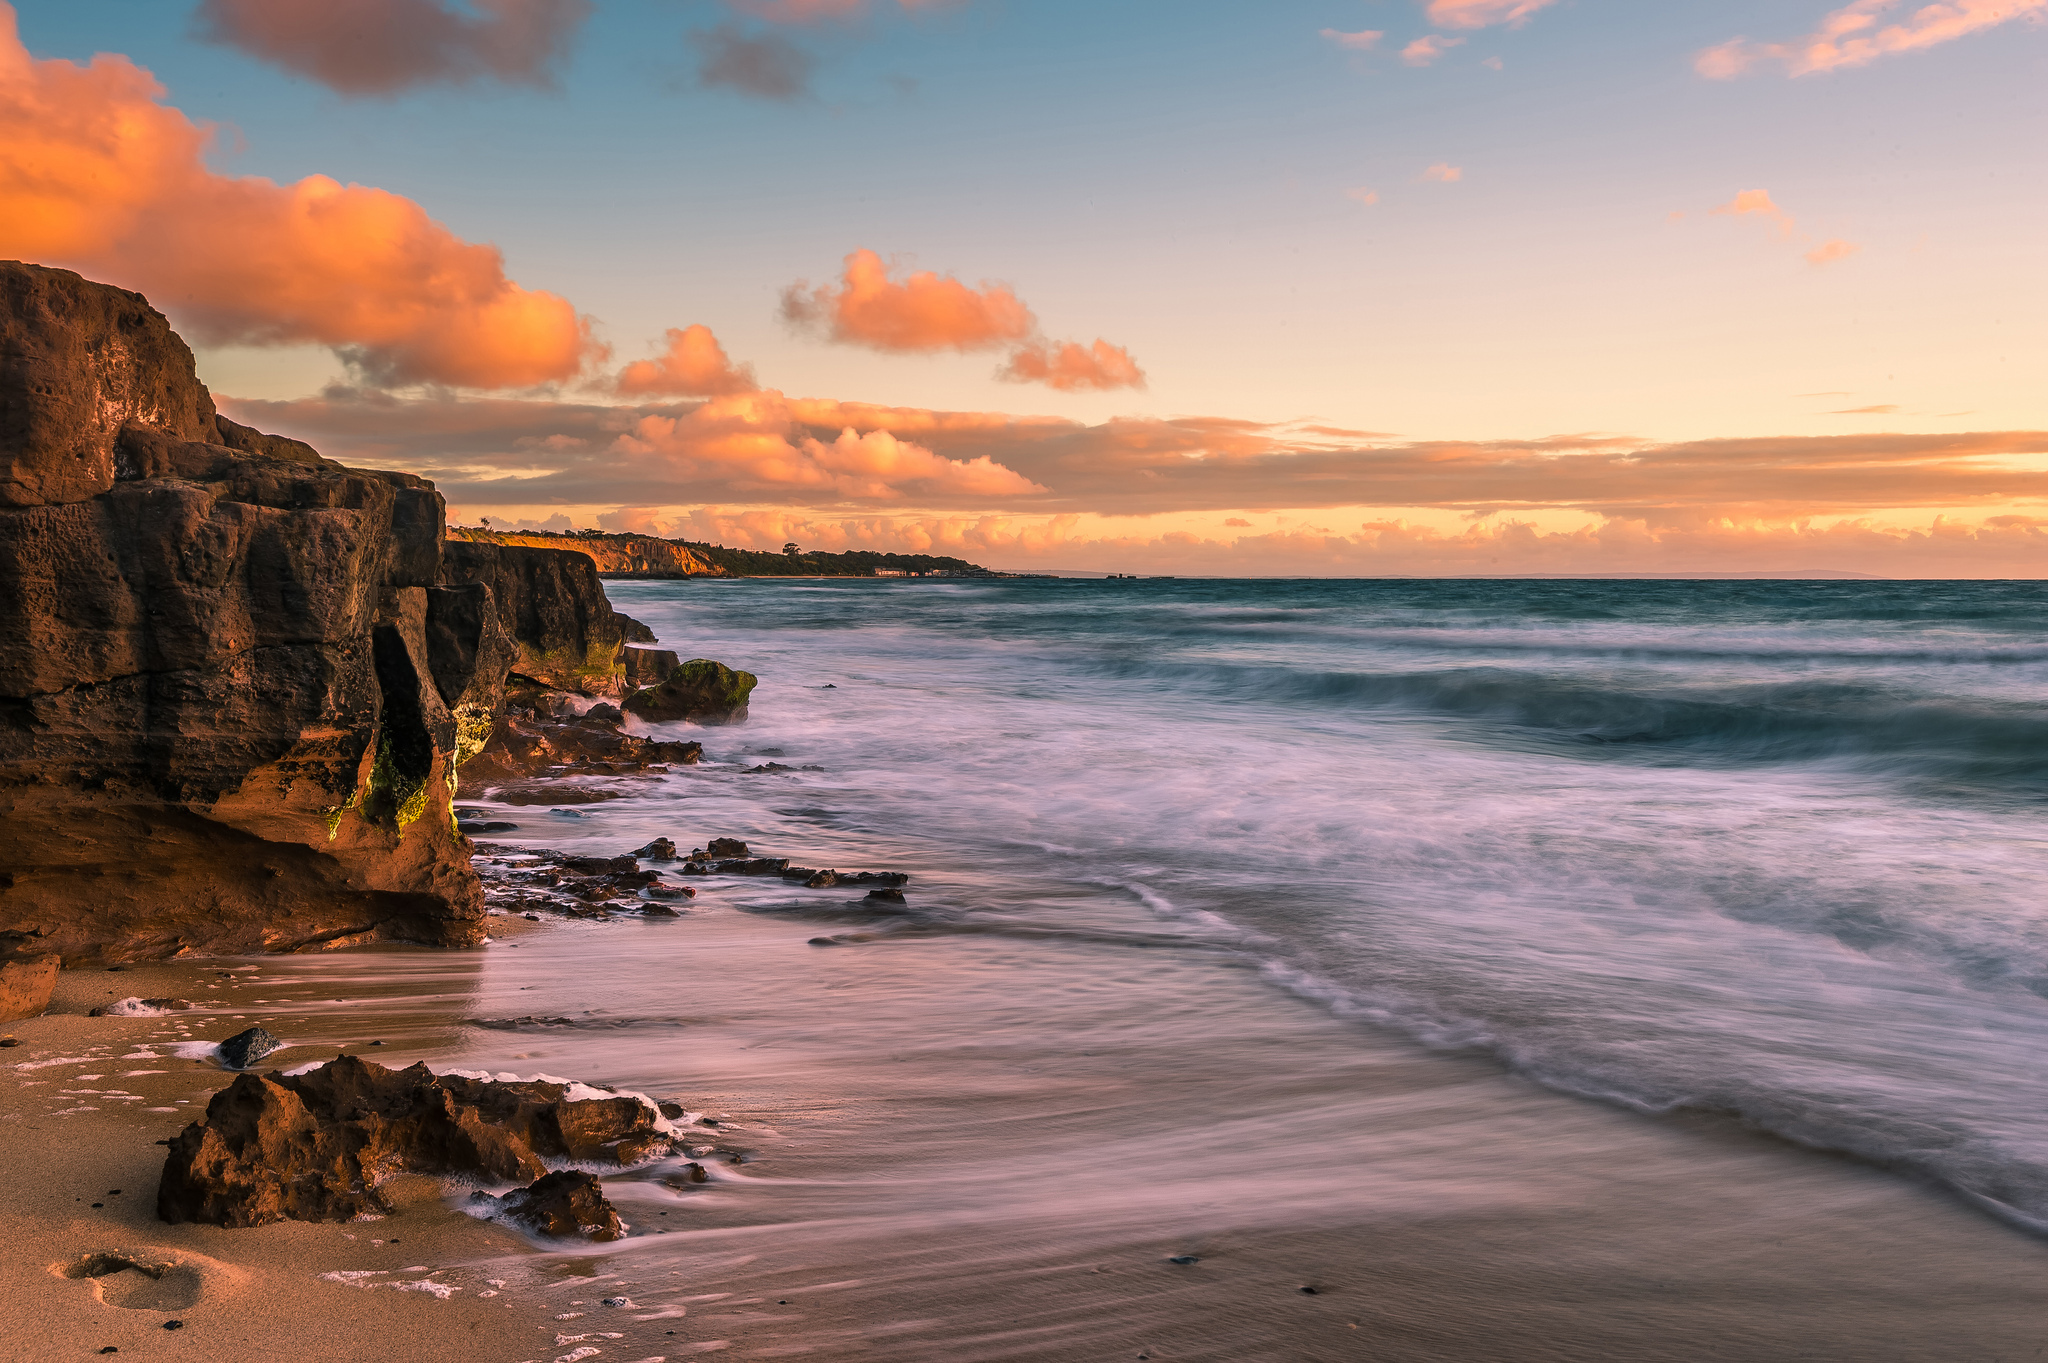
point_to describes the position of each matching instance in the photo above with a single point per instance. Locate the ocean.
(1497, 968)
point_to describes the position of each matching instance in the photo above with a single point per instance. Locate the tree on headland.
(791, 549)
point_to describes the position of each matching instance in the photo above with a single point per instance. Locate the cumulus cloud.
(925, 311)
(1483, 13)
(1365, 40)
(694, 365)
(922, 312)
(1070, 366)
(1428, 48)
(99, 175)
(1444, 173)
(766, 65)
(380, 47)
(1855, 35)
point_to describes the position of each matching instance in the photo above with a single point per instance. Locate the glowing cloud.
(98, 175)
(1830, 251)
(1428, 48)
(1483, 13)
(1444, 173)
(1756, 203)
(923, 312)
(1851, 36)
(694, 365)
(1070, 366)
(1363, 194)
(1365, 40)
(379, 47)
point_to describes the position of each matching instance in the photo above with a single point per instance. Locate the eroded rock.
(701, 690)
(25, 986)
(315, 1147)
(569, 1203)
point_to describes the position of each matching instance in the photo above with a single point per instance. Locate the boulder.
(701, 690)
(316, 1146)
(244, 1049)
(647, 666)
(661, 849)
(551, 604)
(567, 1204)
(25, 986)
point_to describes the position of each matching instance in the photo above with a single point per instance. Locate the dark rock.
(658, 911)
(636, 633)
(661, 849)
(238, 662)
(1184, 1259)
(545, 793)
(701, 690)
(768, 767)
(315, 1147)
(824, 942)
(885, 896)
(647, 666)
(798, 872)
(670, 892)
(822, 880)
(670, 1109)
(550, 602)
(725, 847)
(596, 866)
(751, 866)
(25, 986)
(563, 1204)
(244, 1049)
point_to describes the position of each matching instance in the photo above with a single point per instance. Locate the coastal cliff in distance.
(628, 555)
(236, 678)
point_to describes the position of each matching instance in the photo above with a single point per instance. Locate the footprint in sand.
(145, 1279)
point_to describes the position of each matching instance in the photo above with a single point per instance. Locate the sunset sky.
(1343, 287)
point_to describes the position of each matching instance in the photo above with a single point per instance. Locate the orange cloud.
(1756, 203)
(1444, 173)
(1365, 40)
(98, 175)
(1363, 194)
(1851, 36)
(926, 312)
(1070, 366)
(1483, 13)
(1428, 48)
(379, 47)
(923, 312)
(1831, 250)
(694, 365)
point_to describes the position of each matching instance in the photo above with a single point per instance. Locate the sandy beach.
(972, 1147)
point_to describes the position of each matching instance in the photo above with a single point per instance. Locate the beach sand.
(970, 1147)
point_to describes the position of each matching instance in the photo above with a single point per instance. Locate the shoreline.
(1014, 1189)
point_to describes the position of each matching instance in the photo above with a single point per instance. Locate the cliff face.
(234, 685)
(614, 555)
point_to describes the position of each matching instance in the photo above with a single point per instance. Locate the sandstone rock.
(244, 1049)
(551, 604)
(78, 362)
(315, 1147)
(25, 986)
(701, 690)
(565, 1204)
(726, 847)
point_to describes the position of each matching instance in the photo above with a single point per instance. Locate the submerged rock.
(315, 1146)
(701, 690)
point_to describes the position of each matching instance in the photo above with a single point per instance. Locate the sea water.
(1768, 849)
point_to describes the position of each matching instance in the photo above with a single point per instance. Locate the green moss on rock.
(701, 690)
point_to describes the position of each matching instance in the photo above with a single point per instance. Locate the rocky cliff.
(614, 555)
(236, 678)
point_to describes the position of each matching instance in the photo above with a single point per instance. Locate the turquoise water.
(1768, 849)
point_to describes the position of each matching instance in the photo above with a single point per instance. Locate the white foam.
(136, 1008)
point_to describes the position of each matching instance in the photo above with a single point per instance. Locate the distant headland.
(623, 555)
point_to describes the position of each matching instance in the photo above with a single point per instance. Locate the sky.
(1343, 287)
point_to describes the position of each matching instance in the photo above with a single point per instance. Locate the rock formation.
(25, 986)
(315, 1146)
(236, 678)
(700, 690)
(631, 556)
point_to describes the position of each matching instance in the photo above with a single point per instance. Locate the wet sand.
(969, 1147)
